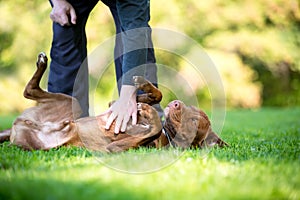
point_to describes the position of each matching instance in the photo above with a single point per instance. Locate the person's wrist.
(128, 91)
(58, 1)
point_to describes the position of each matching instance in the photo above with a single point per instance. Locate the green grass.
(6, 121)
(262, 163)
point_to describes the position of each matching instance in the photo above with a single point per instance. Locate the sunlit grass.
(6, 121)
(262, 162)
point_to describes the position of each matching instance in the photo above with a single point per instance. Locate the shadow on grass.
(49, 188)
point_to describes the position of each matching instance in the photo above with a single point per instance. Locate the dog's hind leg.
(32, 89)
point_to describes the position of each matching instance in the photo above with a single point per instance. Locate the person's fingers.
(64, 20)
(60, 19)
(73, 16)
(110, 120)
(134, 118)
(63, 14)
(124, 123)
(52, 16)
(118, 124)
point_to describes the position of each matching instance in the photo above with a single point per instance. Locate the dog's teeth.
(139, 105)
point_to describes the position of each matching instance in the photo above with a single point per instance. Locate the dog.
(56, 121)
(187, 126)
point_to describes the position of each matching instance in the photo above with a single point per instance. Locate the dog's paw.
(139, 81)
(146, 111)
(42, 60)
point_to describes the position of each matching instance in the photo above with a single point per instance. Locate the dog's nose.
(175, 104)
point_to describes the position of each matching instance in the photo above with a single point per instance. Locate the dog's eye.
(28, 122)
(195, 119)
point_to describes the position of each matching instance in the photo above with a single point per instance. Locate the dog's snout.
(175, 104)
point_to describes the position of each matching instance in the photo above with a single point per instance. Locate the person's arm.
(124, 108)
(63, 13)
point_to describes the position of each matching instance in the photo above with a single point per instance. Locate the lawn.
(262, 162)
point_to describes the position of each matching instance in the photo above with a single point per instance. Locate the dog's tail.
(4, 135)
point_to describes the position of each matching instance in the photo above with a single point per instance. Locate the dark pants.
(68, 51)
(151, 69)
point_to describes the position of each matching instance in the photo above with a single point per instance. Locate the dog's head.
(187, 125)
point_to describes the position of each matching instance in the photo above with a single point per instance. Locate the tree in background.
(262, 36)
(254, 44)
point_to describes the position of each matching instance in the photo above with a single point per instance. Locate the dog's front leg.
(152, 94)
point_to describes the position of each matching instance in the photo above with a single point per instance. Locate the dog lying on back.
(55, 122)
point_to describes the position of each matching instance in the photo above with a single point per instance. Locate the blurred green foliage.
(254, 44)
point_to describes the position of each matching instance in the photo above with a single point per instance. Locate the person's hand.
(63, 13)
(124, 108)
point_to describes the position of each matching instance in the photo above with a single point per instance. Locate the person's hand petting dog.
(124, 108)
(63, 13)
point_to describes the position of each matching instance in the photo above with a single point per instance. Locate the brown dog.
(55, 122)
(187, 126)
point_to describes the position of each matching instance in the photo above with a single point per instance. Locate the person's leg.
(68, 54)
(134, 19)
(118, 50)
(135, 14)
(151, 69)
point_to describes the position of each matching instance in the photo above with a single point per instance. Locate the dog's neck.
(169, 132)
(166, 134)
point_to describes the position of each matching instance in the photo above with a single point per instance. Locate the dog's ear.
(213, 139)
(4, 135)
(187, 132)
(192, 129)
